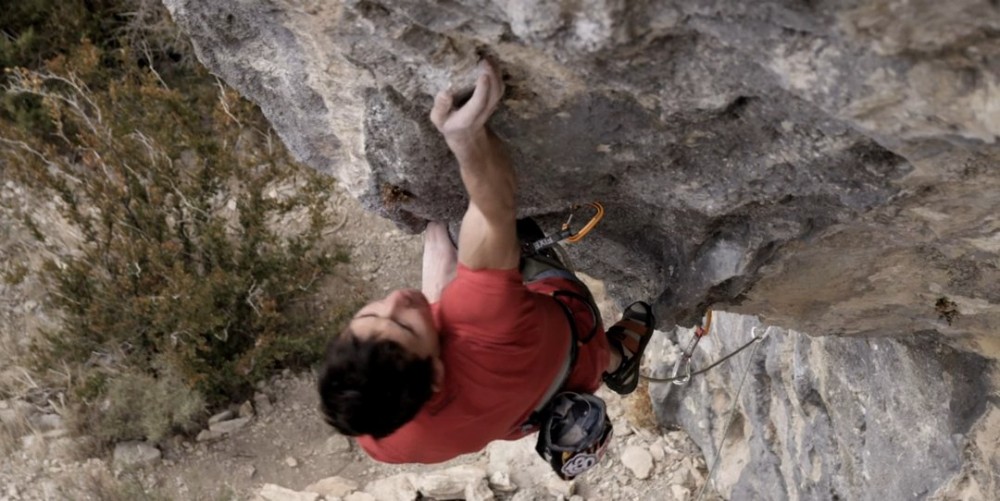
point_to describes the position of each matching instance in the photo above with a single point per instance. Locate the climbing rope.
(687, 377)
(685, 361)
(732, 413)
(679, 379)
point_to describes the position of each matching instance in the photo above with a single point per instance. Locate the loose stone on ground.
(333, 487)
(638, 460)
(136, 454)
(272, 492)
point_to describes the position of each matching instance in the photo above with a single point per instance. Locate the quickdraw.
(566, 232)
(685, 360)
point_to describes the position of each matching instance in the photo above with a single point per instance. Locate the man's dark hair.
(372, 386)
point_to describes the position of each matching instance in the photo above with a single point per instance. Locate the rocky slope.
(828, 166)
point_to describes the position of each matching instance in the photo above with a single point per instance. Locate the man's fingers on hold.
(496, 86)
(480, 96)
(486, 66)
(496, 94)
(442, 106)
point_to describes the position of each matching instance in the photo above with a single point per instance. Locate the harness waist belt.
(564, 371)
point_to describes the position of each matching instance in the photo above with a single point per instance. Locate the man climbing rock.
(492, 337)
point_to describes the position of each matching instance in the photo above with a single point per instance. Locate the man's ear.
(438, 382)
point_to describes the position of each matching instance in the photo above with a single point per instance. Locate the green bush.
(181, 291)
(38, 30)
(139, 406)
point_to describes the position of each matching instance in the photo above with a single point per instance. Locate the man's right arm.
(488, 239)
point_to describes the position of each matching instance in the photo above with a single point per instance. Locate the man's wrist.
(470, 147)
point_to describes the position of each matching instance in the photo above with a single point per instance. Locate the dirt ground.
(286, 443)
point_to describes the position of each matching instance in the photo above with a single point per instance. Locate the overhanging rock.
(829, 166)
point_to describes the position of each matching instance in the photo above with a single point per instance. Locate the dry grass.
(10, 435)
(23, 309)
(98, 484)
(139, 406)
(639, 408)
(13, 274)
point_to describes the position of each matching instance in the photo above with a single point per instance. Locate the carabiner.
(566, 232)
(594, 219)
(753, 333)
(685, 360)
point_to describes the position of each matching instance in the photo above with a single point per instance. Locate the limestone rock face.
(828, 166)
(815, 412)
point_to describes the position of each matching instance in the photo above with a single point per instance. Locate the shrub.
(181, 291)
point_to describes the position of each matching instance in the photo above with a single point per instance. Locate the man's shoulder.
(481, 297)
(551, 285)
(437, 433)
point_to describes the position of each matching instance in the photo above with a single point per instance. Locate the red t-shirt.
(502, 344)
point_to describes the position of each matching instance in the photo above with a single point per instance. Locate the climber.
(425, 375)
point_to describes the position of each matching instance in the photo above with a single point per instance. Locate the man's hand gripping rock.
(464, 128)
(487, 238)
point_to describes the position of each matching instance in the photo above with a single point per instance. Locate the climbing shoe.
(630, 336)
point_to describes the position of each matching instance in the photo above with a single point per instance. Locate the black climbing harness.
(574, 429)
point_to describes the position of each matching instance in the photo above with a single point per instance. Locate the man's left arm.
(439, 261)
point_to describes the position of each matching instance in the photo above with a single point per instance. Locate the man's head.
(382, 367)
